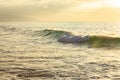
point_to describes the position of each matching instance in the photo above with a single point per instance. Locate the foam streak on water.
(31, 51)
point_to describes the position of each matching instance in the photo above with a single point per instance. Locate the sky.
(59, 10)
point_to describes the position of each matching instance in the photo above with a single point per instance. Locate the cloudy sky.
(59, 10)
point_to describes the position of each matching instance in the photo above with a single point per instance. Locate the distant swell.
(93, 41)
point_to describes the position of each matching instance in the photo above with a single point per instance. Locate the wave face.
(50, 33)
(93, 41)
(104, 41)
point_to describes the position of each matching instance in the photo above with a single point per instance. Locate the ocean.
(31, 51)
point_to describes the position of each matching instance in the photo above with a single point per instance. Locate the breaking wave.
(93, 41)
